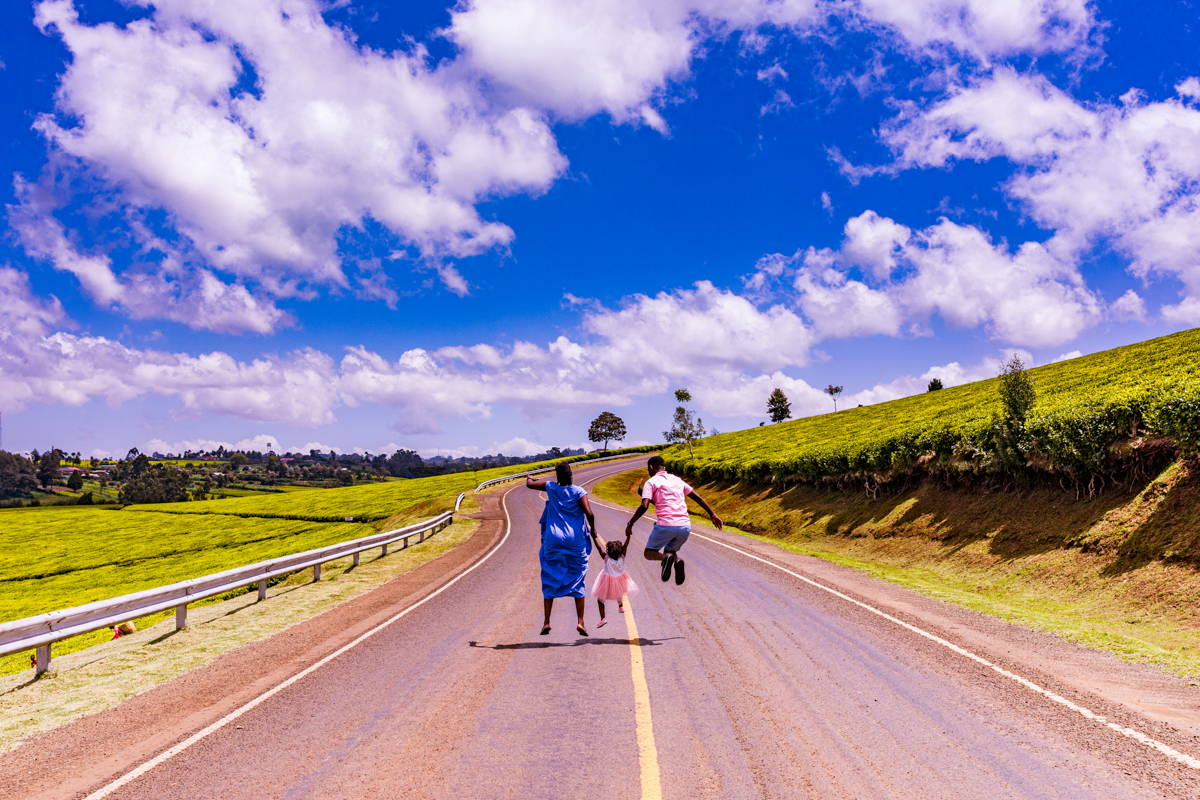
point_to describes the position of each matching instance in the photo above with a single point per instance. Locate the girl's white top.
(614, 566)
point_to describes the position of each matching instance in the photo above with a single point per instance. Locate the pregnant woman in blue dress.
(568, 527)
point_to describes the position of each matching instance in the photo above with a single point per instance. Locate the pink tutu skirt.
(611, 588)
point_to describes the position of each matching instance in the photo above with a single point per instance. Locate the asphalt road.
(752, 684)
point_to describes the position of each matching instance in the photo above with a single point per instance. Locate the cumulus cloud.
(1125, 174)
(886, 279)
(263, 132)
(262, 443)
(634, 350)
(259, 179)
(986, 29)
(195, 297)
(582, 58)
(38, 365)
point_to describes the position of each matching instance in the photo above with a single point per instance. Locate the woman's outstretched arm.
(587, 511)
(530, 483)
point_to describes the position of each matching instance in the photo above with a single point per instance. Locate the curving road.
(745, 682)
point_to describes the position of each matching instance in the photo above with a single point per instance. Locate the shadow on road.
(640, 642)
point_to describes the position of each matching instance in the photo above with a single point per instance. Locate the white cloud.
(1129, 306)
(260, 182)
(1068, 356)
(987, 29)
(1124, 174)
(37, 365)
(1189, 87)
(1027, 297)
(263, 131)
(594, 56)
(739, 395)
(262, 443)
(580, 58)
(194, 297)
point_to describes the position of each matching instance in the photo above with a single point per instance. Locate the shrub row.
(1095, 416)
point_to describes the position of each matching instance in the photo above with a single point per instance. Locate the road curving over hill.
(745, 682)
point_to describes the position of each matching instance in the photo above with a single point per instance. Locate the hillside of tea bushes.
(1096, 418)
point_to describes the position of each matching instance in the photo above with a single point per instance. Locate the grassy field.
(1110, 573)
(61, 557)
(367, 503)
(1084, 406)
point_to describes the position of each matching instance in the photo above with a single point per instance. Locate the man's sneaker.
(679, 576)
(667, 561)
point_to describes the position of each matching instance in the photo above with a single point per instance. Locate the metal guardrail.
(44, 630)
(551, 469)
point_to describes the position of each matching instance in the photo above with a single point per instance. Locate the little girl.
(614, 582)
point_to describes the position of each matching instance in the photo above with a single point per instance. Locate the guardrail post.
(316, 572)
(262, 589)
(181, 617)
(43, 658)
(384, 553)
(356, 555)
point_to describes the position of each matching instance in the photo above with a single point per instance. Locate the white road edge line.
(1166, 750)
(230, 717)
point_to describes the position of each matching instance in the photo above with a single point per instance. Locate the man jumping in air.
(668, 493)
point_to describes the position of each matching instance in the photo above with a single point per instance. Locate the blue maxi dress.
(566, 542)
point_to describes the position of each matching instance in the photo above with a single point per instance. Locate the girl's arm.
(530, 483)
(625, 547)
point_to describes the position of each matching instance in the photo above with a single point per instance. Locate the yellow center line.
(647, 752)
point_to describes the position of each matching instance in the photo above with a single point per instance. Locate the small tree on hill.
(1016, 389)
(75, 482)
(607, 426)
(934, 385)
(683, 427)
(778, 406)
(1017, 396)
(833, 392)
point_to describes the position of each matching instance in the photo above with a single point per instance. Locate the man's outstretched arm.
(716, 521)
(636, 516)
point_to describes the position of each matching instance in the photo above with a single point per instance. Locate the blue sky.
(469, 229)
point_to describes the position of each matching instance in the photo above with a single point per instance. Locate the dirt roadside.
(62, 762)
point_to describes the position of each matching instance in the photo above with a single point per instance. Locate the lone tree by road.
(778, 406)
(607, 426)
(683, 428)
(833, 391)
(934, 385)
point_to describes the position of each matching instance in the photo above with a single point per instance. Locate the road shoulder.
(1169, 704)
